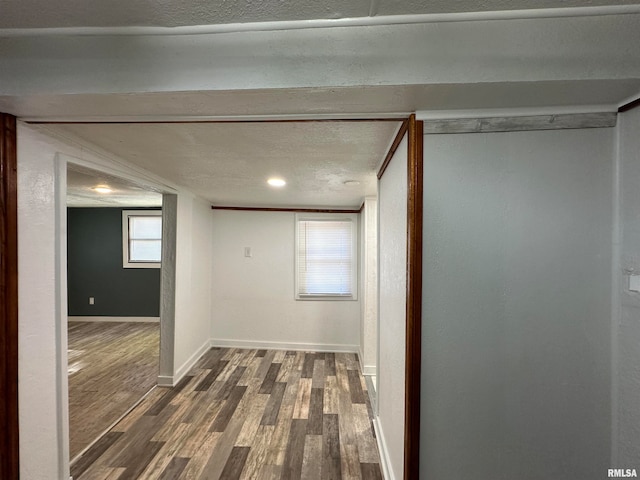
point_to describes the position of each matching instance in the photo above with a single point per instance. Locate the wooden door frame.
(9, 440)
(413, 130)
(413, 354)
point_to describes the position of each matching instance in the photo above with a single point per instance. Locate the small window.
(326, 257)
(141, 238)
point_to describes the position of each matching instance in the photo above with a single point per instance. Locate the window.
(326, 257)
(141, 238)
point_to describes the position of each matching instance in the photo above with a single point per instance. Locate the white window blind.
(325, 258)
(141, 238)
(145, 238)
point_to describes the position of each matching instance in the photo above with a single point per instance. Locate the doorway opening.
(112, 293)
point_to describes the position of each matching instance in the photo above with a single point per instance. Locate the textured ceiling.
(228, 164)
(364, 100)
(123, 13)
(80, 193)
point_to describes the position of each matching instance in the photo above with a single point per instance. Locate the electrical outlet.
(92, 300)
(247, 251)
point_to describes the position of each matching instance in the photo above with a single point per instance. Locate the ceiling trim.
(328, 23)
(514, 112)
(284, 209)
(172, 119)
(519, 124)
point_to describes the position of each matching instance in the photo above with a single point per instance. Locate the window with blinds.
(326, 257)
(141, 238)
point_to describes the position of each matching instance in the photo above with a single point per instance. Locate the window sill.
(330, 298)
(141, 265)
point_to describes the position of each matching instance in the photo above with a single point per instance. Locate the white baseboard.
(172, 381)
(366, 369)
(373, 393)
(114, 319)
(369, 370)
(305, 347)
(385, 461)
(165, 381)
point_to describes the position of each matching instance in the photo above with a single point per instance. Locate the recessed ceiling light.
(102, 189)
(276, 182)
(351, 183)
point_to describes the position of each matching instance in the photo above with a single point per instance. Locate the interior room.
(330, 170)
(473, 170)
(113, 330)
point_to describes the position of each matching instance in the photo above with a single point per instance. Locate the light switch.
(247, 251)
(634, 283)
(92, 300)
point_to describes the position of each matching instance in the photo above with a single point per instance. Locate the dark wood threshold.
(9, 458)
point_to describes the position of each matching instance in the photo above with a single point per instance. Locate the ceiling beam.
(372, 20)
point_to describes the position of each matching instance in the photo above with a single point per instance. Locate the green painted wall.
(94, 267)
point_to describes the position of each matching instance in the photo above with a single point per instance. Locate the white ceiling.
(229, 163)
(125, 193)
(123, 13)
(365, 101)
(330, 72)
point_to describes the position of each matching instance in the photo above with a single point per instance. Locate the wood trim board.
(413, 318)
(9, 443)
(294, 210)
(394, 147)
(414, 299)
(521, 123)
(219, 120)
(629, 106)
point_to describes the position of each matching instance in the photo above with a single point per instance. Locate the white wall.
(369, 286)
(42, 316)
(516, 344)
(40, 435)
(392, 251)
(193, 282)
(627, 328)
(253, 298)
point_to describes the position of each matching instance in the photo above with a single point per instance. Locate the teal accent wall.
(94, 268)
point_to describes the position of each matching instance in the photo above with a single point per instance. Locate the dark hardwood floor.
(246, 414)
(112, 365)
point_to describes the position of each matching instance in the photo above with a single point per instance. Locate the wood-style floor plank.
(331, 462)
(370, 471)
(98, 449)
(235, 463)
(247, 415)
(292, 467)
(111, 365)
(273, 404)
(312, 461)
(174, 469)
